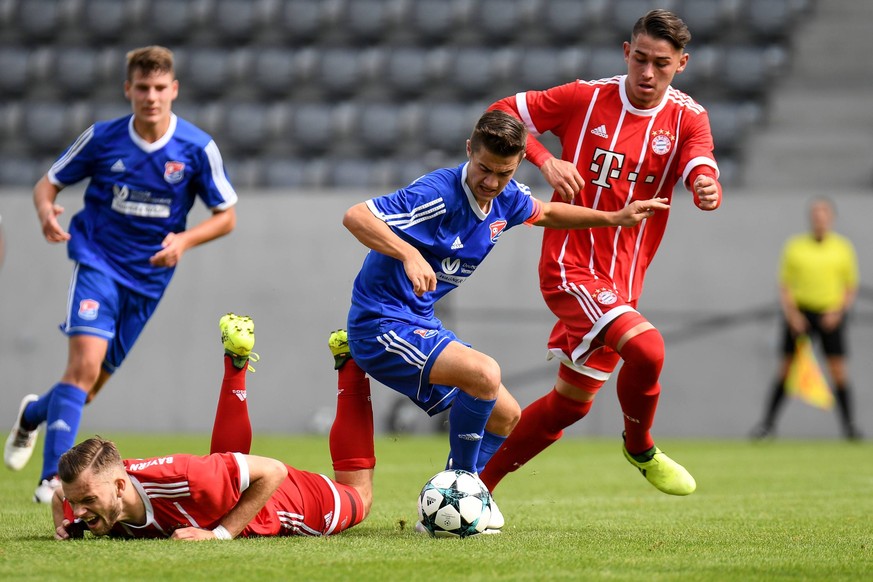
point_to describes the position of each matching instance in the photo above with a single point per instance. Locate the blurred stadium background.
(318, 104)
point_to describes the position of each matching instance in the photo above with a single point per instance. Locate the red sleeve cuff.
(704, 170)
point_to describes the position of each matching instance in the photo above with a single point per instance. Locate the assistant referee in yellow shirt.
(818, 282)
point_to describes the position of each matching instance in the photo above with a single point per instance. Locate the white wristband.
(221, 533)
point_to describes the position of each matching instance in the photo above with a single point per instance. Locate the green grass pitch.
(780, 510)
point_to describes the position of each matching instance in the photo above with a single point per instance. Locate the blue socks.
(467, 419)
(61, 408)
(36, 412)
(490, 443)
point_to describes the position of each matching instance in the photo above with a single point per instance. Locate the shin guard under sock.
(467, 418)
(62, 425)
(232, 428)
(351, 435)
(638, 388)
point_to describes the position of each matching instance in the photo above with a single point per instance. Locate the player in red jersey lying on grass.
(225, 494)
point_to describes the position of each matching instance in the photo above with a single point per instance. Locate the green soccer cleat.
(663, 472)
(238, 337)
(338, 342)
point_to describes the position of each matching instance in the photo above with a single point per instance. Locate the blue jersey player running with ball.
(425, 240)
(145, 171)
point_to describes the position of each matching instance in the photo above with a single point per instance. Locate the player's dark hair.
(500, 133)
(95, 453)
(150, 59)
(665, 25)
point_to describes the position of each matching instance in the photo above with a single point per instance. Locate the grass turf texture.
(780, 510)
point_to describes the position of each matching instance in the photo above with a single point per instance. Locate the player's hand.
(705, 189)
(638, 210)
(51, 228)
(193, 534)
(174, 246)
(70, 530)
(420, 274)
(563, 177)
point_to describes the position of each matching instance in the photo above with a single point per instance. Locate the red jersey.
(624, 154)
(198, 491)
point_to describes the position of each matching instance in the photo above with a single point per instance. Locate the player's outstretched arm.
(266, 476)
(375, 234)
(568, 216)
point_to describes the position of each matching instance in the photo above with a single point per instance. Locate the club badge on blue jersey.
(496, 228)
(174, 172)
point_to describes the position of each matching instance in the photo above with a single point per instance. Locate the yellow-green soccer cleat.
(238, 337)
(664, 473)
(338, 342)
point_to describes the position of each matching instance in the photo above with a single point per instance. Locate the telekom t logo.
(607, 164)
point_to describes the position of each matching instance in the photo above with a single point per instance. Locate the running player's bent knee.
(645, 352)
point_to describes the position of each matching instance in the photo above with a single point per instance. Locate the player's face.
(96, 500)
(488, 173)
(151, 96)
(651, 65)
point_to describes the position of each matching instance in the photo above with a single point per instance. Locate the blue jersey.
(138, 192)
(439, 216)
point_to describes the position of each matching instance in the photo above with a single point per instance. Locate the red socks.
(351, 435)
(542, 423)
(638, 388)
(232, 431)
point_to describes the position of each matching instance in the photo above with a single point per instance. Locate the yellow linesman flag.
(805, 379)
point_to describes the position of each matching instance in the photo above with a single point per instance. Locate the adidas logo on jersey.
(118, 166)
(600, 131)
(60, 425)
(457, 244)
(241, 394)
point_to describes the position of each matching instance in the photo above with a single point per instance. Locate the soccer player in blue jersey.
(145, 171)
(425, 240)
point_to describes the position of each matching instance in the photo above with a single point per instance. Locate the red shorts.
(584, 309)
(308, 504)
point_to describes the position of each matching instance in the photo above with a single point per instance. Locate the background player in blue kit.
(425, 240)
(145, 171)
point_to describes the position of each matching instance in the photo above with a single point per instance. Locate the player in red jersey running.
(625, 138)
(225, 494)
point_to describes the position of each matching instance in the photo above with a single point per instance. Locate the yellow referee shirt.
(818, 274)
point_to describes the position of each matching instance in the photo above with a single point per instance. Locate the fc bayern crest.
(662, 141)
(174, 172)
(605, 296)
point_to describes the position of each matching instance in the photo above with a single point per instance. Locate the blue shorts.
(97, 305)
(401, 358)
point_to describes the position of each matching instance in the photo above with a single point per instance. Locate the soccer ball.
(454, 503)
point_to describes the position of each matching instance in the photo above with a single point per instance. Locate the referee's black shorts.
(832, 342)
